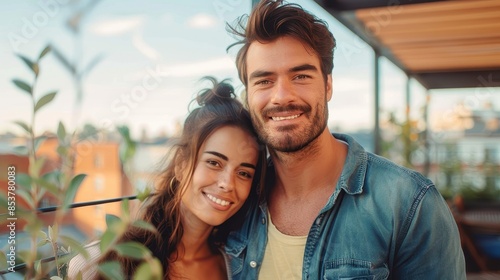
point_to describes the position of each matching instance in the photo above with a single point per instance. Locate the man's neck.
(317, 166)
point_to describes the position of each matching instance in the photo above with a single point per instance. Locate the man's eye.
(301, 77)
(263, 82)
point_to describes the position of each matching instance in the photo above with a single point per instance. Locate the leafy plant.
(61, 185)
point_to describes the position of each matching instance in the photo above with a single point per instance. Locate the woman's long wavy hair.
(218, 107)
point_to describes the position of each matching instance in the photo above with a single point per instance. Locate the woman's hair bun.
(220, 92)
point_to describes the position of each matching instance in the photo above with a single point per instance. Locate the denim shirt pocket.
(235, 248)
(351, 269)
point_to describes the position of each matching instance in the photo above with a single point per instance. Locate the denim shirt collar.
(352, 176)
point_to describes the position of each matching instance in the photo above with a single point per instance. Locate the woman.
(203, 193)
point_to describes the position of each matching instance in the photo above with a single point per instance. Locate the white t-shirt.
(284, 255)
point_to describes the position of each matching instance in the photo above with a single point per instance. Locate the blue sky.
(154, 52)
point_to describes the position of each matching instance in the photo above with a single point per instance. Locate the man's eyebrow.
(217, 154)
(259, 74)
(303, 67)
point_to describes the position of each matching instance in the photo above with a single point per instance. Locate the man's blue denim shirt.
(383, 221)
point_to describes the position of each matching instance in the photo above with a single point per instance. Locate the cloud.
(224, 63)
(116, 26)
(182, 70)
(201, 21)
(143, 47)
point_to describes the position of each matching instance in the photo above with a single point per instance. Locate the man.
(331, 210)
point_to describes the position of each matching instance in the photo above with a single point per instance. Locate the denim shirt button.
(263, 221)
(253, 264)
(318, 221)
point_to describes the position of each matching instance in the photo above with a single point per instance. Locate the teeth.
(285, 118)
(218, 200)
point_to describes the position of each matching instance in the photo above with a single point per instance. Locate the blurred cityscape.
(463, 161)
(131, 65)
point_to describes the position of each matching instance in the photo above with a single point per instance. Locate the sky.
(151, 55)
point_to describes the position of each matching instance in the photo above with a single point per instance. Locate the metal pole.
(408, 101)
(427, 160)
(407, 138)
(376, 131)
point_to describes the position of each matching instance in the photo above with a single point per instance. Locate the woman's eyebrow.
(217, 154)
(224, 157)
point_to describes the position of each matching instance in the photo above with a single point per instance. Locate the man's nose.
(282, 92)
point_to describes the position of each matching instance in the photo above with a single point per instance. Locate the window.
(99, 183)
(98, 161)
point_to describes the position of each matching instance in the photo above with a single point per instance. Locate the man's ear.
(328, 88)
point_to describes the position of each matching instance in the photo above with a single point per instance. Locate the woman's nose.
(226, 181)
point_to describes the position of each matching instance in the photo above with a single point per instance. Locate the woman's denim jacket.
(383, 221)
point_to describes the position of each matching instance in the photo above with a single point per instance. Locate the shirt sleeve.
(428, 246)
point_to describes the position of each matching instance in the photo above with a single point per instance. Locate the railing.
(22, 266)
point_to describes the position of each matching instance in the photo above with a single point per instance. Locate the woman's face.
(222, 177)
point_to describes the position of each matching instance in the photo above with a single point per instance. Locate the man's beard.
(292, 141)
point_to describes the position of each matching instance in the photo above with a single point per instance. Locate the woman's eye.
(245, 174)
(213, 163)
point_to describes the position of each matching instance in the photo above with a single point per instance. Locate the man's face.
(287, 94)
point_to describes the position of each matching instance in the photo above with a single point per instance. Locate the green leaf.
(38, 266)
(23, 180)
(27, 61)
(143, 194)
(45, 100)
(42, 235)
(24, 194)
(92, 64)
(53, 232)
(112, 220)
(151, 270)
(144, 225)
(128, 147)
(65, 62)
(42, 242)
(3, 201)
(106, 240)
(61, 132)
(111, 270)
(76, 245)
(62, 151)
(23, 125)
(49, 182)
(3, 261)
(21, 150)
(36, 69)
(38, 141)
(34, 169)
(72, 189)
(125, 210)
(50, 232)
(23, 85)
(44, 52)
(134, 250)
(115, 229)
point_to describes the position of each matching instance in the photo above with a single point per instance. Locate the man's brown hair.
(271, 20)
